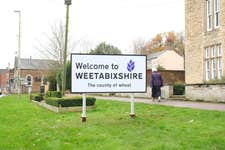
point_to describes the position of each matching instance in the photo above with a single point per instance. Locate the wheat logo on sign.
(130, 66)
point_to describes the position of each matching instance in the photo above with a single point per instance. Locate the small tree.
(104, 48)
(160, 68)
(52, 82)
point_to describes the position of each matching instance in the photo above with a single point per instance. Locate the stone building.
(204, 44)
(32, 73)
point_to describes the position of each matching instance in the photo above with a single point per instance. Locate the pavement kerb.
(175, 103)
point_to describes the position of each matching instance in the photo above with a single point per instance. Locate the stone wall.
(206, 92)
(166, 92)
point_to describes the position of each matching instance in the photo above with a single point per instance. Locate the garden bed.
(63, 104)
(63, 109)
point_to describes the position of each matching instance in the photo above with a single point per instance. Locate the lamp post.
(67, 3)
(19, 47)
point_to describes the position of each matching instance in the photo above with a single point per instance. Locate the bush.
(178, 89)
(53, 94)
(69, 102)
(36, 97)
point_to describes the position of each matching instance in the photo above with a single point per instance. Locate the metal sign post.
(132, 114)
(29, 90)
(83, 116)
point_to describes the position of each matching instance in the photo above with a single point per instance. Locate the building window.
(219, 61)
(219, 68)
(213, 62)
(213, 52)
(209, 15)
(29, 79)
(207, 70)
(212, 13)
(219, 50)
(213, 68)
(217, 13)
(207, 53)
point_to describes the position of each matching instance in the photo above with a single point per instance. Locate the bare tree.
(53, 46)
(139, 46)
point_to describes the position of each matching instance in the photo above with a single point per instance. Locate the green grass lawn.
(26, 126)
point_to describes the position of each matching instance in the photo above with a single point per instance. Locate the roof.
(168, 59)
(156, 54)
(36, 64)
(2, 70)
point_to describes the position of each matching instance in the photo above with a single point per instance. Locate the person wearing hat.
(156, 82)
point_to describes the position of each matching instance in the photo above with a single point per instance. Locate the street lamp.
(67, 3)
(19, 47)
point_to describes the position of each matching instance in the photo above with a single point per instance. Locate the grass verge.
(24, 125)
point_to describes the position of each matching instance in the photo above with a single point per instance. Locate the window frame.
(207, 69)
(216, 13)
(213, 69)
(219, 50)
(213, 51)
(31, 79)
(220, 68)
(209, 15)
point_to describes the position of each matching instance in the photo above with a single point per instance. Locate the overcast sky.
(117, 22)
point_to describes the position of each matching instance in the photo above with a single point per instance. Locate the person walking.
(156, 82)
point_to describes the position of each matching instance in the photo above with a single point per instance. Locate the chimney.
(8, 66)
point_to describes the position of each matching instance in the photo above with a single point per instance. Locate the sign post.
(132, 114)
(83, 116)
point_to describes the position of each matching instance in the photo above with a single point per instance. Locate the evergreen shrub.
(178, 89)
(69, 101)
(36, 97)
(53, 94)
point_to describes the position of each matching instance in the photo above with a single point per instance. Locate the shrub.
(178, 89)
(36, 97)
(53, 94)
(69, 102)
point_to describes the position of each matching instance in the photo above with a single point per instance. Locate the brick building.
(4, 81)
(32, 72)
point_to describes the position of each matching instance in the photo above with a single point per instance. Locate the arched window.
(29, 79)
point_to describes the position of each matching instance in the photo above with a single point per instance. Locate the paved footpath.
(187, 104)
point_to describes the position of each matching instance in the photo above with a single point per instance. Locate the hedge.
(69, 102)
(53, 94)
(36, 97)
(178, 89)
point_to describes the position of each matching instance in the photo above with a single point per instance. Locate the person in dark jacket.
(156, 82)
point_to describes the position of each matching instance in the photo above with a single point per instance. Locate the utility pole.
(67, 3)
(19, 47)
